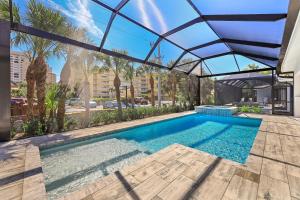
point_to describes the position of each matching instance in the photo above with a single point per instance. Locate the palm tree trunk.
(151, 80)
(86, 86)
(159, 91)
(132, 94)
(50, 121)
(40, 75)
(63, 89)
(30, 79)
(117, 84)
(61, 111)
(190, 93)
(174, 89)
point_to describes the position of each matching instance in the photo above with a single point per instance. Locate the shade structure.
(179, 35)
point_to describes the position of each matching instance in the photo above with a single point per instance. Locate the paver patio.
(272, 170)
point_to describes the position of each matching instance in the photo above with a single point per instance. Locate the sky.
(158, 16)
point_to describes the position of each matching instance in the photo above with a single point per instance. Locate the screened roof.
(194, 36)
(247, 80)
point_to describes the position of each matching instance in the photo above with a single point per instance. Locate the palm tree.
(86, 61)
(172, 80)
(4, 11)
(64, 84)
(187, 84)
(52, 99)
(207, 88)
(191, 87)
(129, 72)
(158, 59)
(149, 70)
(38, 50)
(116, 65)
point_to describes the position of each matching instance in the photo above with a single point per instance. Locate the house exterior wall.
(291, 63)
(297, 94)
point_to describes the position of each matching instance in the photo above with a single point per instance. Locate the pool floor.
(67, 167)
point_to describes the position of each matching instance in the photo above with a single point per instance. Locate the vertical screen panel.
(271, 32)
(223, 64)
(125, 35)
(87, 17)
(160, 16)
(194, 35)
(165, 53)
(213, 7)
(211, 50)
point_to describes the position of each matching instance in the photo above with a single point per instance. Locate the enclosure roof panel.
(252, 75)
(171, 34)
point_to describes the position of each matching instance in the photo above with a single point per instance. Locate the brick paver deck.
(272, 170)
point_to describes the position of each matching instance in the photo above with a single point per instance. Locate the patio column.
(4, 80)
(297, 94)
(272, 92)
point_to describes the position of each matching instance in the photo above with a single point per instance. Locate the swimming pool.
(69, 166)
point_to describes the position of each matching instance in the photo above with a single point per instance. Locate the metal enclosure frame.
(164, 36)
(6, 27)
(5, 81)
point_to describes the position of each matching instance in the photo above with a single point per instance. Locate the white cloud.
(145, 17)
(158, 15)
(78, 11)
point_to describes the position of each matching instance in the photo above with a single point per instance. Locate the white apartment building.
(291, 63)
(18, 66)
(102, 85)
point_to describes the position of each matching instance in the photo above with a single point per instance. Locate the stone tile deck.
(272, 170)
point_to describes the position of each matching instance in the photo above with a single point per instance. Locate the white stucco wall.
(297, 94)
(291, 62)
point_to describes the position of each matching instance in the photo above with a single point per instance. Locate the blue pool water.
(226, 137)
(67, 167)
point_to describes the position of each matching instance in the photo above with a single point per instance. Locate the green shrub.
(33, 127)
(108, 117)
(100, 100)
(245, 109)
(256, 109)
(250, 109)
(104, 117)
(96, 119)
(71, 123)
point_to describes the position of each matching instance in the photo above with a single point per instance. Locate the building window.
(16, 75)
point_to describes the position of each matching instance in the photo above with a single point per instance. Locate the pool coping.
(33, 174)
(33, 182)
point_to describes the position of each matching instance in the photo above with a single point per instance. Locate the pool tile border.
(276, 142)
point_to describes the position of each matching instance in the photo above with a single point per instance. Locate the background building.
(51, 77)
(102, 85)
(18, 66)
